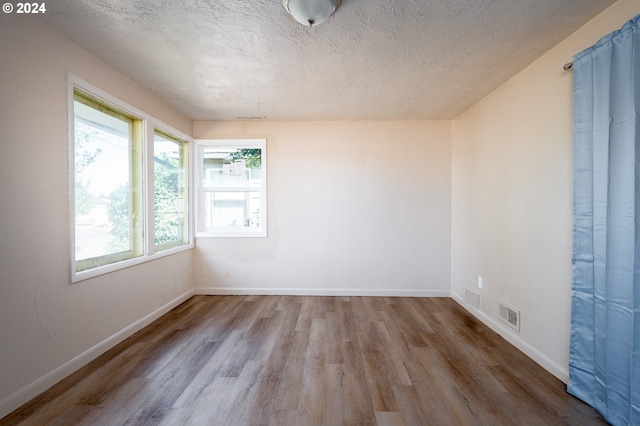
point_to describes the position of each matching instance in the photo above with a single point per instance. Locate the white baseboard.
(508, 334)
(24, 395)
(319, 292)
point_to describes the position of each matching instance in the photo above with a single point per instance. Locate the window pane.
(170, 191)
(231, 188)
(232, 209)
(103, 181)
(232, 168)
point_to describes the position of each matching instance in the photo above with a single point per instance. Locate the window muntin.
(112, 148)
(171, 191)
(108, 209)
(232, 188)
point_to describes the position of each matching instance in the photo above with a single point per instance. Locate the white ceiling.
(374, 59)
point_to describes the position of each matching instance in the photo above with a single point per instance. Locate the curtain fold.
(604, 360)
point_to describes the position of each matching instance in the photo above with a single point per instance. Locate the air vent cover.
(472, 298)
(509, 315)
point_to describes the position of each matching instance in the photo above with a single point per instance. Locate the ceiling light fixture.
(311, 12)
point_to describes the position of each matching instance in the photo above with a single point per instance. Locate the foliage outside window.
(123, 212)
(107, 207)
(231, 188)
(171, 201)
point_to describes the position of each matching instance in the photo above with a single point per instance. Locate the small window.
(170, 190)
(232, 188)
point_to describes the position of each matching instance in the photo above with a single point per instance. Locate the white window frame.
(149, 126)
(201, 230)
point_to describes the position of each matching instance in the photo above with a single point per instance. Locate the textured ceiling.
(374, 59)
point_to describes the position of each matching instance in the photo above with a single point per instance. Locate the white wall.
(353, 208)
(511, 197)
(44, 320)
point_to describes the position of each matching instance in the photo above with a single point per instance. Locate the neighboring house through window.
(232, 188)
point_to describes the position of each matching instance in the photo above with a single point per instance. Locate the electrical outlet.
(480, 281)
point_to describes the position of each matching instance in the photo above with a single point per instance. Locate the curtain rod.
(567, 66)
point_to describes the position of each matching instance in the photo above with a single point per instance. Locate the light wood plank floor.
(284, 360)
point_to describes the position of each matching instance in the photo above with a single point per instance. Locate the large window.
(125, 209)
(107, 187)
(232, 188)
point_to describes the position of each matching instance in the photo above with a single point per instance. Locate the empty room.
(301, 212)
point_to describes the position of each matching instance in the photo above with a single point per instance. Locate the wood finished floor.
(284, 360)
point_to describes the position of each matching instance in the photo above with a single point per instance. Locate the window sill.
(116, 266)
(231, 234)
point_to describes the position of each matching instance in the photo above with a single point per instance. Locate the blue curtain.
(604, 361)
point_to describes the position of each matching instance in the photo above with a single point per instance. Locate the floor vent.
(509, 315)
(473, 299)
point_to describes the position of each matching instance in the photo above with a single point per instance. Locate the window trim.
(149, 124)
(200, 145)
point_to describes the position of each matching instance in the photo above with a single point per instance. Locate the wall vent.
(509, 315)
(472, 298)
